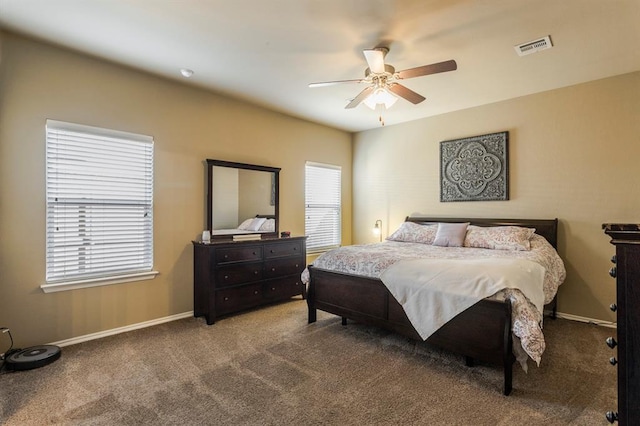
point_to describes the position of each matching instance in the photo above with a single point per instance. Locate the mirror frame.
(221, 163)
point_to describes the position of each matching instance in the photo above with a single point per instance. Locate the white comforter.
(371, 260)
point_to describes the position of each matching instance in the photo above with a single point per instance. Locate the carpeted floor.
(269, 367)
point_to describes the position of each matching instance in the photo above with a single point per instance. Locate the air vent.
(534, 46)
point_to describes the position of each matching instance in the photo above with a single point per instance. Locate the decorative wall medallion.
(475, 168)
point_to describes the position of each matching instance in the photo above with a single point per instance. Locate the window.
(99, 206)
(322, 206)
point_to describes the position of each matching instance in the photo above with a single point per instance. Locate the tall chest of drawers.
(626, 271)
(231, 276)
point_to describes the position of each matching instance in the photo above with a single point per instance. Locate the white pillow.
(256, 224)
(246, 224)
(450, 234)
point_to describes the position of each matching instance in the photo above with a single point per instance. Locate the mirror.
(242, 199)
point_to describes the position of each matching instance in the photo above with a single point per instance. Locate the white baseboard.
(119, 330)
(175, 317)
(587, 320)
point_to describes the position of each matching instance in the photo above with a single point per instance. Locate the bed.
(254, 225)
(485, 331)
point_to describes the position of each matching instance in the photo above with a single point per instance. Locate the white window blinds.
(99, 202)
(322, 206)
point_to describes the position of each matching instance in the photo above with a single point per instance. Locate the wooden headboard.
(547, 228)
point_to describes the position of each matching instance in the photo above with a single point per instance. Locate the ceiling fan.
(383, 82)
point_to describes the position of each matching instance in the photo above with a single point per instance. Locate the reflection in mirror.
(242, 199)
(239, 195)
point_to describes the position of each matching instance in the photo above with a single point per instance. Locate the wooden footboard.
(482, 332)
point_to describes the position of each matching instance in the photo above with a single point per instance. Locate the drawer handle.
(296, 265)
(255, 272)
(273, 269)
(297, 283)
(254, 253)
(273, 289)
(226, 256)
(295, 248)
(611, 342)
(613, 271)
(255, 292)
(271, 250)
(226, 298)
(226, 277)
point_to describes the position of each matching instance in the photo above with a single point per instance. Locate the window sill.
(95, 282)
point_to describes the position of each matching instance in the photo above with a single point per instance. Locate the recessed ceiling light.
(186, 72)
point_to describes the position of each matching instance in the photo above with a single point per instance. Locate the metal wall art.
(475, 168)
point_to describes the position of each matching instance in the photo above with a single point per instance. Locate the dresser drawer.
(281, 267)
(289, 248)
(237, 298)
(238, 274)
(282, 288)
(232, 276)
(238, 254)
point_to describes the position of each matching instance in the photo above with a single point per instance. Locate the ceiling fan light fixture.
(380, 96)
(383, 82)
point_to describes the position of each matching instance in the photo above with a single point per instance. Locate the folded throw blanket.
(433, 291)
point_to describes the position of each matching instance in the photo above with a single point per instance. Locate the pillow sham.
(246, 224)
(256, 223)
(411, 232)
(450, 234)
(268, 226)
(499, 237)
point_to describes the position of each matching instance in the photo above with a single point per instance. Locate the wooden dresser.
(230, 276)
(626, 271)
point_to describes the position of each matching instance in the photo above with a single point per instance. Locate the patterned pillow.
(246, 224)
(411, 232)
(268, 226)
(256, 223)
(499, 237)
(450, 234)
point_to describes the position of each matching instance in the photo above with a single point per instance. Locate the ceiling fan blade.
(361, 97)
(375, 60)
(332, 83)
(408, 94)
(445, 66)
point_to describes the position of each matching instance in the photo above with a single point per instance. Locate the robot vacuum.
(33, 357)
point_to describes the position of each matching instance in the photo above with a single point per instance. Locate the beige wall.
(573, 155)
(38, 81)
(255, 194)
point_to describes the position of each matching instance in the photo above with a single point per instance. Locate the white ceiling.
(267, 51)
